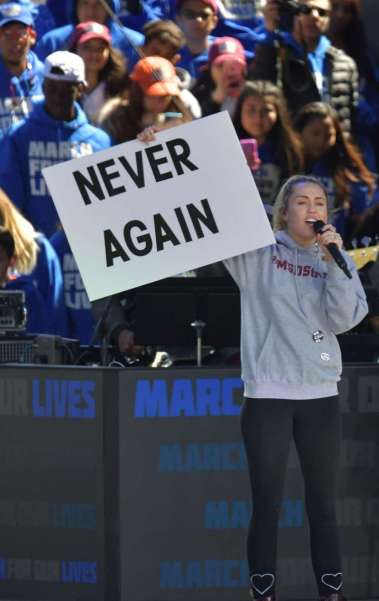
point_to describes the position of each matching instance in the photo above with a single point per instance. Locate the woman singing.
(294, 300)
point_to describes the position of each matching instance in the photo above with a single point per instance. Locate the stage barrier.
(131, 485)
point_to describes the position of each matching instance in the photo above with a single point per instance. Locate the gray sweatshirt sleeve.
(243, 267)
(345, 301)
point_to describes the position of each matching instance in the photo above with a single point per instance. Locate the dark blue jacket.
(36, 143)
(58, 10)
(150, 10)
(47, 277)
(123, 38)
(44, 293)
(80, 318)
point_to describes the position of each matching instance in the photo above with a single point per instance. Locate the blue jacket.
(192, 63)
(81, 322)
(59, 11)
(43, 20)
(18, 93)
(43, 293)
(150, 11)
(36, 143)
(48, 279)
(123, 38)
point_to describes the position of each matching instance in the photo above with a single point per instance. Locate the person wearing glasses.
(20, 69)
(197, 19)
(311, 68)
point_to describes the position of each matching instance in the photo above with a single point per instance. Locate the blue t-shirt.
(194, 63)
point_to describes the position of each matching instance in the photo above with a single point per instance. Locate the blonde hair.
(281, 202)
(22, 232)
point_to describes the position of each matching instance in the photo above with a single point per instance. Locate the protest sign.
(139, 212)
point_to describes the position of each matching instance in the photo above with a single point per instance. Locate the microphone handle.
(339, 258)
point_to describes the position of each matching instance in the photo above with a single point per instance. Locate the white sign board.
(136, 213)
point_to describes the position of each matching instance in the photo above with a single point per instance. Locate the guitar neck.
(362, 256)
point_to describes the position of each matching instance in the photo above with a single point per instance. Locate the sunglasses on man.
(322, 12)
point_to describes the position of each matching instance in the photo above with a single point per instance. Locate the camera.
(288, 9)
(293, 7)
(13, 313)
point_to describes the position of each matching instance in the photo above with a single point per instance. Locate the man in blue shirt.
(57, 130)
(197, 19)
(303, 61)
(20, 69)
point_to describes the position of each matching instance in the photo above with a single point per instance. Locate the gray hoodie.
(293, 303)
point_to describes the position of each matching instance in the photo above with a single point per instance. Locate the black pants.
(268, 426)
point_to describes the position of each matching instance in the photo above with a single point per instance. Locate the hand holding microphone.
(332, 244)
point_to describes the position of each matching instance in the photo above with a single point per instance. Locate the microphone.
(318, 226)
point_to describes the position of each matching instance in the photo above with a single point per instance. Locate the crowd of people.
(78, 76)
(302, 89)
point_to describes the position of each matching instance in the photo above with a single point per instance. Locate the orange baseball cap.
(156, 76)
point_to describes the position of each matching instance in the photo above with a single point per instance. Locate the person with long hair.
(20, 69)
(34, 319)
(333, 158)
(294, 301)
(154, 99)
(261, 113)
(105, 67)
(346, 31)
(34, 258)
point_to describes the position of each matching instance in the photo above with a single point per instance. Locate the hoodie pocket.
(265, 355)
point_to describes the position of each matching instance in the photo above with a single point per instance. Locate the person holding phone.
(261, 113)
(294, 301)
